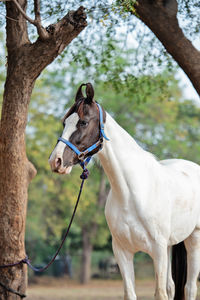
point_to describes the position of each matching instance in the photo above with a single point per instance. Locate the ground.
(64, 289)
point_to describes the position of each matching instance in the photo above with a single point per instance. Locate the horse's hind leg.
(192, 244)
(125, 262)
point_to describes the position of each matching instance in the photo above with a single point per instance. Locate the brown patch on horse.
(80, 110)
(73, 109)
(78, 106)
(69, 112)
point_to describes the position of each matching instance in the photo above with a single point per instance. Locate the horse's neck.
(123, 160)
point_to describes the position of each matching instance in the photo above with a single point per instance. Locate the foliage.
(163, 124)
(113, 67)
(108, 21)
(188, 12)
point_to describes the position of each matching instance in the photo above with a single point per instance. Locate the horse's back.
(182, 171)
(183, 175)
(180, 163)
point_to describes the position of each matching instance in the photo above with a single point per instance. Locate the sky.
(188, 90)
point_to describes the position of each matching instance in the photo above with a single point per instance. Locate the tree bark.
(161, 17)
(25, 63)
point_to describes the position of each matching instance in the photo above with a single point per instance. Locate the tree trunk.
(86, 256)
(161, 17)
(25, 62)
(15, 175)
(89, 232)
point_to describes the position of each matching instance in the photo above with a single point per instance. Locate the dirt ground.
(65, 289)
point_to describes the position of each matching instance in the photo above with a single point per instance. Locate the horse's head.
(82, 129)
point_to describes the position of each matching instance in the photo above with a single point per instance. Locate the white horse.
(152, 204)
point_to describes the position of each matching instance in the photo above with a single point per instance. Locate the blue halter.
(81, 155)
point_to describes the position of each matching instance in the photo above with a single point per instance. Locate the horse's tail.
(179, 269)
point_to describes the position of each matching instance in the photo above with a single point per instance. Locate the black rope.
(26, 260)
(83, 176)
(22, 261)
(12, 291)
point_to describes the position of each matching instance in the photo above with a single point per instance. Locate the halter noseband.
(81, 155)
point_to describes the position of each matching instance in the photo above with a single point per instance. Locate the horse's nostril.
(58, 162)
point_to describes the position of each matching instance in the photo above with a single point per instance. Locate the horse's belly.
(184, 195)
(184, 220)
(185, 214)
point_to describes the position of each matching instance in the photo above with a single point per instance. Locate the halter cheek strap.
(102, 133)
(81, 155)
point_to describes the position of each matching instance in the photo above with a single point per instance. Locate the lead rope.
(26, 260)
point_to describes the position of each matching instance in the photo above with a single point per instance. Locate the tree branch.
(37, 10)
(42, 53)
(37, 22)
(23, 13)
(16, 32)
(161, 18)
(34, 57)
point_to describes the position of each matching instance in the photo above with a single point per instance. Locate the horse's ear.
(89, 92)
(79, 94)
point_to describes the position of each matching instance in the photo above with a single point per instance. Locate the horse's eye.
(83, 123)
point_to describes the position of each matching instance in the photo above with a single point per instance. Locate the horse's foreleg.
(192, 244)
(170, 282)
(125, 263)
(160, 260)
